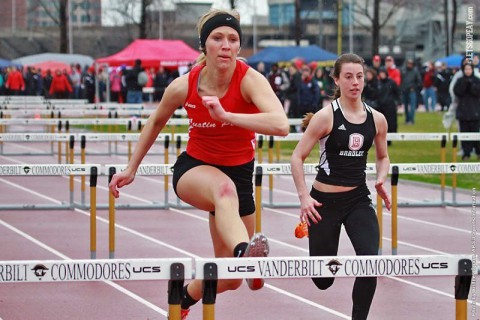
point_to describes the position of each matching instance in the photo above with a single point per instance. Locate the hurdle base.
(153, 205)
(63, 206)
(180, 205)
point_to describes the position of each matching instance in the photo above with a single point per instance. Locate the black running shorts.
(242, 177)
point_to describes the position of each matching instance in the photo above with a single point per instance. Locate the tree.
(454, 23)
(374, 17)
(126, 12)
(59, 16)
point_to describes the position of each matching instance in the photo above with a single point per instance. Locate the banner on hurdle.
(327, 267)
(34, 137)
(405, 168)
(91, 270)
(144, 169)
(46, 169)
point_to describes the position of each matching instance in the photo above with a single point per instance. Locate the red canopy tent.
(53, 66)
(153, 53)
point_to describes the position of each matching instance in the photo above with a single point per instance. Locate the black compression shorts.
(242, 177)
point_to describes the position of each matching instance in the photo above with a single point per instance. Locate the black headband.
(219, 21)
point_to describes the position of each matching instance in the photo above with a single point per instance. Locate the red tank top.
(213, 141)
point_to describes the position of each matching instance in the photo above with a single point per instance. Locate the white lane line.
(62, 256)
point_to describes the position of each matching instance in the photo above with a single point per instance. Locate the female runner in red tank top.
(226, 102)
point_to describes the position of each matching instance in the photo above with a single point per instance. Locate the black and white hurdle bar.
(210, 270)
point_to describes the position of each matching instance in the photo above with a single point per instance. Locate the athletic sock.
(187, 300)
(240, 249)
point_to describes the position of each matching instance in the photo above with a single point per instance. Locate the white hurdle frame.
(210, 270)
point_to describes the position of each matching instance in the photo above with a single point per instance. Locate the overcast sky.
(246, 8)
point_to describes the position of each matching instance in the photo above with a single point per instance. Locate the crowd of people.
(80, 83)
(305, 88)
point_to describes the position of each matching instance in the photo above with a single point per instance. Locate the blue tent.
(310, 53)
(454, 60)
(7, 63)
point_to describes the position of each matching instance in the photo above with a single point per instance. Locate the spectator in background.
(321, 78)
(75, 79)
(376, 63)
(134, 88)
(261, 68)
(30, 81)
(15, 82)
(47, 83)
(39, 79)
(388, 97)
(150, 73)
(370, 91)
(160, 83)
(115, 84)
(2, 82)
(60, 87)
(88, 84)
(308, 92)
(443, 76)
(393, 72)
(411, 83)
(102, 84)
(429, 90)
(278, 81)
(291, 104)
(467, 90)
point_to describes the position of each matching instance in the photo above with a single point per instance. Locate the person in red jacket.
(15, 82)
(393, 72)
(60, 87)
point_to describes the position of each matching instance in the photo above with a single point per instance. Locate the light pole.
(350, 26)
(14, 15)
(70, 28)
(160, 20)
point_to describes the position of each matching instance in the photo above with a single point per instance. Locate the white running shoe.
(257, 247)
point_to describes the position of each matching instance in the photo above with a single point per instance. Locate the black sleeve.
(461, 86)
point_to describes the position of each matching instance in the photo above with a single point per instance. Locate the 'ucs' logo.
(241, 269)
(154, 269)
(435, 265)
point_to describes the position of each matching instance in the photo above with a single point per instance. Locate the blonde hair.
(207, 16)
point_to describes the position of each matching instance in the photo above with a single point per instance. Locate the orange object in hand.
(301, 230)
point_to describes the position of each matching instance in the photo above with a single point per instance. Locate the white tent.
(83, 60)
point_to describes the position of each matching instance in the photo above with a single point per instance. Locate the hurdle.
(143, 170)
(212, 270)
(28, 170)
(173, 270)
(31, 137)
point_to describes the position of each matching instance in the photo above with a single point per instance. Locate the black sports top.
(344, 150)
